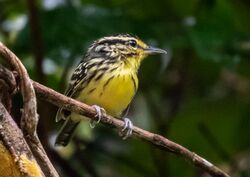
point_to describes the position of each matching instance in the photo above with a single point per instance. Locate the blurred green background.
(198, 95)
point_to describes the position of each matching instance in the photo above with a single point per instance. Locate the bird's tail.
(66, 132)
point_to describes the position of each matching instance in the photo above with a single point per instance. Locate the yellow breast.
(113, 92)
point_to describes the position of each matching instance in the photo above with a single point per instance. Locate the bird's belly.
(114, 95)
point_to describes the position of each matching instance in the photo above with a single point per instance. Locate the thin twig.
(159, 141)
(29, 118)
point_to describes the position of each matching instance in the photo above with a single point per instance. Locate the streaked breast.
(112, 91)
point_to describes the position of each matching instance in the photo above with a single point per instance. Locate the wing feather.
(73, 89)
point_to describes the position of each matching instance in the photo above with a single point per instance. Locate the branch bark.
(38, 52)
(157, 140)
(18, 155)
(7, 86)
(15, 152)
(29, 119)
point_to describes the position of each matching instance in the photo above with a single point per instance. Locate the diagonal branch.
(159, 141)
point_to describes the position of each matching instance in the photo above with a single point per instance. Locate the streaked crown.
(121, 47)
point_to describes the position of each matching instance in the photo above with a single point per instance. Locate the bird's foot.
(127, 130)
(100, 112)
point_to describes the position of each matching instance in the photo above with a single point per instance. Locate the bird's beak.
(153, 50)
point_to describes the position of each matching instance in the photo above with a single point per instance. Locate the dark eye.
(132, 43)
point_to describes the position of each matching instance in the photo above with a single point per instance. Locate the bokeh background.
(198, 95)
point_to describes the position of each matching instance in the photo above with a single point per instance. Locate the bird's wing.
(75, 86)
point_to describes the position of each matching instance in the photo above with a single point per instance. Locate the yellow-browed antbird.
(106, 78)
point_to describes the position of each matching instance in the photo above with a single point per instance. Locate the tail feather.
(66, 132)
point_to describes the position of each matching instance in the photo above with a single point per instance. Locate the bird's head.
(122, 47)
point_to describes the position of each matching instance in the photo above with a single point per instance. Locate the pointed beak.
(153, 50)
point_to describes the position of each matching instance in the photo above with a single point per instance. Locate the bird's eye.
(132, 43)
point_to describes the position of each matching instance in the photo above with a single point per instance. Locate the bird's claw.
(127, 130)
(99, 114)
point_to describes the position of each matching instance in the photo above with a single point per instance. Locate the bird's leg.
(127, 129)
(99, 113)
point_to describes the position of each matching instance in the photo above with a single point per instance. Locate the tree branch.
(11, 138)
(38, 52)
(29, 118)
(157, 140)
(15, 152)
(7, 86)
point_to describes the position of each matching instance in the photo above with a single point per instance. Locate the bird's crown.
(122, 46)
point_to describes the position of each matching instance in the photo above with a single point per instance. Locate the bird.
(106, 78)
